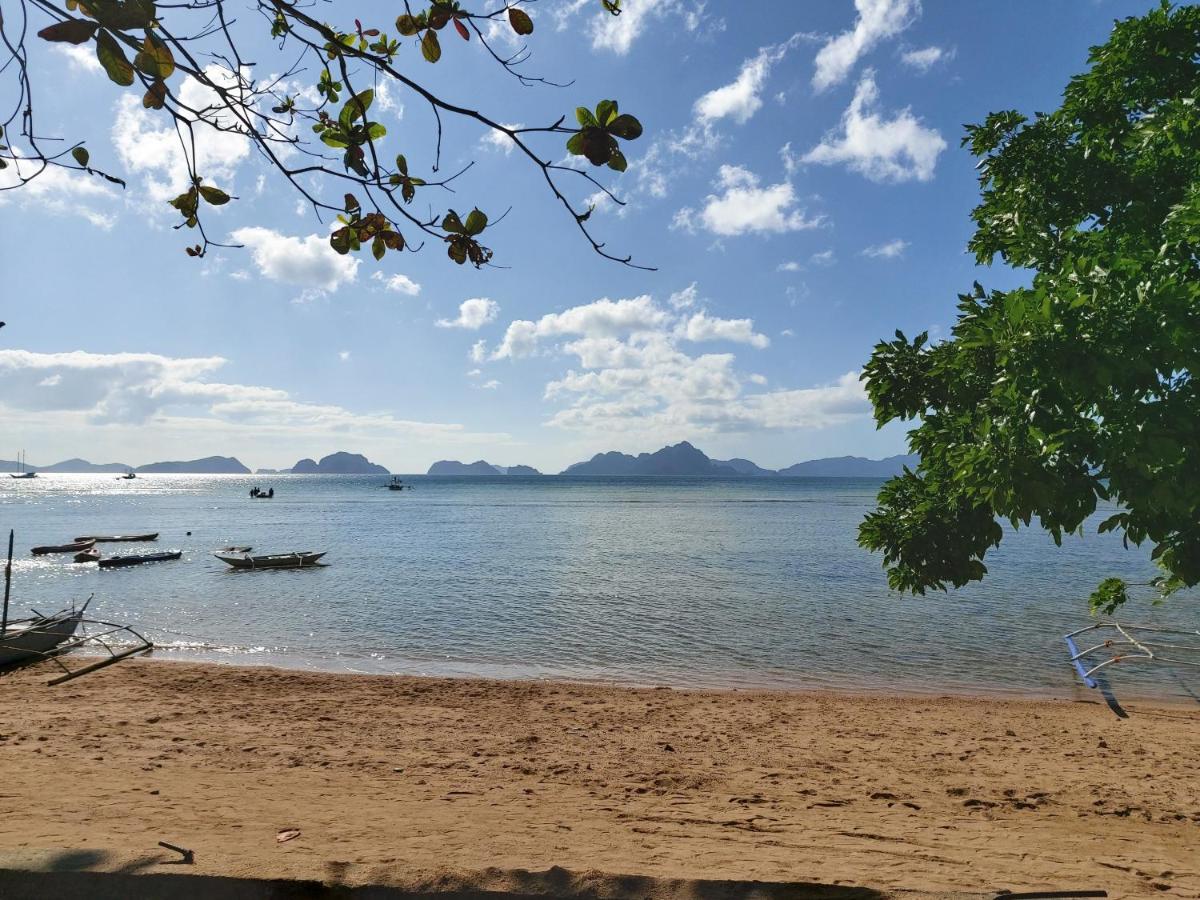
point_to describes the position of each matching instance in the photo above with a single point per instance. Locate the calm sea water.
(688, 582)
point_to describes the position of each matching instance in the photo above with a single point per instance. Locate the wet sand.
(390, 779)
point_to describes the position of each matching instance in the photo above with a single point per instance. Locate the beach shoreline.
(390, 776)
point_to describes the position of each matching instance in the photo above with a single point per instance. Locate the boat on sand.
(79, 545)
(300, 559)
(134, 559)
(114, 538)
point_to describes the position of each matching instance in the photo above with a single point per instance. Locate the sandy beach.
(398, 779)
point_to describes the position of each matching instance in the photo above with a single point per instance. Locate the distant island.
(480, 468)
(210, 465)
(683, 460)
(340, 463)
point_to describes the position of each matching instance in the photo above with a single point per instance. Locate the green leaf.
(452, 223)
(401, 164)
(378, 247)
(375, 131)
(350, 203)
(475, 223)
(617, 161)
(575, 144)
(585, 117)
(213, 196)
(81, 155)
(334, 139)
(407, 25)
(155, 58)
(520, 21)
(155, 96)
(340, 241)
(356, 107)
(113, 59)
(606, 111)
(430, 48)
(625, 127)
(457, 251)
(72, 31)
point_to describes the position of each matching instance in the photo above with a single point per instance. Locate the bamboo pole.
(7, 584)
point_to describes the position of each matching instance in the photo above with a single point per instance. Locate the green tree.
(1082, 386)
(311, 119)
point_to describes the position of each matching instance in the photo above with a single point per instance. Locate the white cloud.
(617, 33)
(59, 191)
(703, 327)
(490, 385)
(885, 150)
(890, 250)
(823, 258)
(745, 207)
(81, 56)
(473, 314)
(787, 332)
(877, 20)
(499, 141)
(741, 98)
(632, 375)
(601, 319)
(685, 298)
(398, 283)
(925, 59)
(478, 352)
(344, 355)
(307, 262)
(789, 266)
(81, 390)
(791, 162)
(148, 144)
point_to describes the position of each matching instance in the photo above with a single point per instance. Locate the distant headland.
(684, 460)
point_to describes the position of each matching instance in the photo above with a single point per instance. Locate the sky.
(799, 190)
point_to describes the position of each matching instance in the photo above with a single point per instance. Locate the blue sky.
(799, 188)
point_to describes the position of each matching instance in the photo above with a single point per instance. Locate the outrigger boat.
(134, 559)
(115, 538)
(397, 484)
(76, 547)
(48, 637)
(87, 556)
(299, 560)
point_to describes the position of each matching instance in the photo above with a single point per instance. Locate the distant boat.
(21, 468)
(398, 485)
(77, 546)
(114, 538)
(128, 476)
(134, 559)
(92, 555)
(299, 560)
(235, 549)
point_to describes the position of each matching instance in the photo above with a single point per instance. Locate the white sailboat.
(21, 468)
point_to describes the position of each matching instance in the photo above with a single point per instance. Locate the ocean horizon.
(643, 580)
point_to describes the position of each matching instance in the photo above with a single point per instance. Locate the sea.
(749, 583)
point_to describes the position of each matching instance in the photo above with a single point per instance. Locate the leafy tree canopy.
(312, 122)
(1082, 386)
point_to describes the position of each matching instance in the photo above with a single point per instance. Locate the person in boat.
(271, 492)
(254, 492)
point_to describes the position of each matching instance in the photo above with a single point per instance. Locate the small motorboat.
(301, 559)
(78, 545)
(92, 555)
(133, 559)
(115, 538)
(128, 476)
(235, 549)
(398, 485)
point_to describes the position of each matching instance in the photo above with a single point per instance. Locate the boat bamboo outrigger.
(50, 637)
(1122, 643)
(301, 559)
(115, 538)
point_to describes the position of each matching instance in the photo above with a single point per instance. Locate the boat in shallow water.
(133, 559)
(79, 545)
(115, 538)
(299, 560)
(92, 555)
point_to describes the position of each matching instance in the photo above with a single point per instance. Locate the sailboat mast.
(7, 584)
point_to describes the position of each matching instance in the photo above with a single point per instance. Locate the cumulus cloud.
(307, 262)
(823, 258)
(149, 145)
(82, 57)
(632, 373)
(891, 250)
(882, 149)
(473, 314)
(685, 298)
(478, 352)
(746, 207)
(499, 141)
(398, 283)
(925, 59)
(742, 97)
(59, 191)
(877, 20)
(790, 266)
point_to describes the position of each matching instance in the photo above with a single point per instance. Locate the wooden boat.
(134, 559)
(128, 476)
(235, 549)
(92, 555)
(25, 640)
(114, 538)
(398, 485)
(299, 560)
(79, 545)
